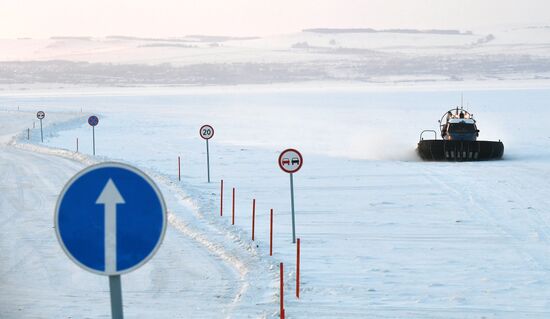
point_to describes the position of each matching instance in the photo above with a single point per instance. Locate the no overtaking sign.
(290, 161)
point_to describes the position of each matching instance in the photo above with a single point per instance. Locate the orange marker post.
(221, 199)
(298, 268)
(233, 210)
(282, 310)
(271, 233)
(253, 217)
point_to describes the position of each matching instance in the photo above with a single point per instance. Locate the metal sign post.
(292, 207)
(206, 132)
(93, 121)
(207, 161)
(290, 161)
(110, 219)
(40, 115)
(116, 297)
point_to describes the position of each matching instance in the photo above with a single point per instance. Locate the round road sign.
(93, 120)
(290, 160)
(110, 218)
(206, 132)
(40, 115)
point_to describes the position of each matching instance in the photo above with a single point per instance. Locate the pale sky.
(156, 18)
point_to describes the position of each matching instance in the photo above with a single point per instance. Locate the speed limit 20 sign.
(206, 132)
(290, 160)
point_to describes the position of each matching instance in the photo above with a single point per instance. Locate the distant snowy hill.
(321, 54)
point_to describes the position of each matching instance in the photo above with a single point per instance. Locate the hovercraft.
(458, 140)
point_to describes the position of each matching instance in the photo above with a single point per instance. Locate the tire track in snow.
(477, 203)
(259, 278)
(257, 293)
(485, 219)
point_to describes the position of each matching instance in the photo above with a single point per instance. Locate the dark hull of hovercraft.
(449, 150)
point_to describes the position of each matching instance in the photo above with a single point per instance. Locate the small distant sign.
(93, 120)
(40, 115)
(290, 160)
(206, 132)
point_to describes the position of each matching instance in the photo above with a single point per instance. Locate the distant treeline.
(185, 39)
(370, 30)
(72, 38)
(360, 65)
(188, 38)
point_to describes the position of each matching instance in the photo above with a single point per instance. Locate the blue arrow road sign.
(110, 218)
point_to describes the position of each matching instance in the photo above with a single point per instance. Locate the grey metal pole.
(41, 134)
(28, 133)
(93, 138)
(208, 160)
(116, 297)
(292, 205)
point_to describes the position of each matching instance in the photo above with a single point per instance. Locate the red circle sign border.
(206, 125)
(299, 155)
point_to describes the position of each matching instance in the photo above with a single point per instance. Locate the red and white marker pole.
(253, 217)
(298, 268)
(221, 198)
(282, 292)
(233, 209)
(271, 233)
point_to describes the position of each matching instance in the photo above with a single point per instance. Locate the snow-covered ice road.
(37, 280)
(383, 235)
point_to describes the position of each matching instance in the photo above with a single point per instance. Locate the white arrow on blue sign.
(110, 218)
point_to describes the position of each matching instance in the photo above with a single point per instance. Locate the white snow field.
(384, 235)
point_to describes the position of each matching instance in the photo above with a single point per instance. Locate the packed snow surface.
(383, 234)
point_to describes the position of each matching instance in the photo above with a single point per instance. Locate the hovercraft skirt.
(443, 150)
